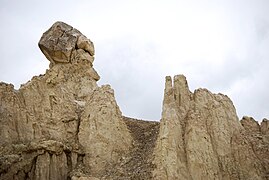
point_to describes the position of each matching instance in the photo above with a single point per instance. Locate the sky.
(221, 45)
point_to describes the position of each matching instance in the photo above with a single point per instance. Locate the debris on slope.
(138, 163)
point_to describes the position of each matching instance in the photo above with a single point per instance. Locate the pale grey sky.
(221, 45)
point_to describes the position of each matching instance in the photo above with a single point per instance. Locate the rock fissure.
(69, 164)
(78, 120)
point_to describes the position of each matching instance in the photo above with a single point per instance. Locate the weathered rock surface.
(64, 44)
(258, 137)
(62, 125)
(103, 133)
(202, 138)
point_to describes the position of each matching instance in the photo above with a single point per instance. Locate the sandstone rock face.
(103, 133)
(258, 137)
(202, 138)
(62, 125)
(170, 146)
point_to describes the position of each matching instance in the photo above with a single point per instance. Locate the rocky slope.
(61, 125)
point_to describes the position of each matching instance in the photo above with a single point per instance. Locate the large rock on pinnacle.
(64, 44)
(59, 42)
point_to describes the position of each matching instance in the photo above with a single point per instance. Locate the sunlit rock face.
(62, 125)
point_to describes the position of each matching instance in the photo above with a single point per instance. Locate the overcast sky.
(219, 45)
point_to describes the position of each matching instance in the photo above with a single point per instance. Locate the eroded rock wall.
(64, 106)
(202, 138)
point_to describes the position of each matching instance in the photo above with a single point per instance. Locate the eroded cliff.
(202, 138)
(62, 125)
